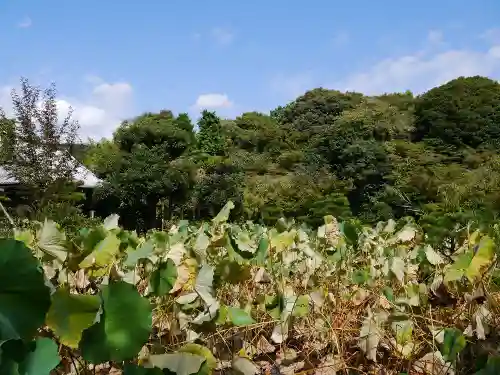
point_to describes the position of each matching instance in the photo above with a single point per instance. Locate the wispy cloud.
(212, 101)
(98, 114)
(491, 35)
(291, 86)
(222, 36)
(423, 69)
(25, 23)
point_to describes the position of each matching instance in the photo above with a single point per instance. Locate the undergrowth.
(227, 298)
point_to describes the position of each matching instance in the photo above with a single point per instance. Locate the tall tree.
(143, 167)
(210, 138)
(37, 143)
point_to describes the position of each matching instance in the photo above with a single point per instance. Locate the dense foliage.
(223, 297)
(433, 157)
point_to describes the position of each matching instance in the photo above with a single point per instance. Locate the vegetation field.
(389, 267)
(221, 298)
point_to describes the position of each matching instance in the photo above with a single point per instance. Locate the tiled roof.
(82, 174)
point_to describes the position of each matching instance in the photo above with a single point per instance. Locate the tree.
(173, 135)
(143, 168)
(36, 144)
(355, 148)
(327, 152)
(210, 137)
(462, 112)
(217, 181)
(258, 133)
(314, 111)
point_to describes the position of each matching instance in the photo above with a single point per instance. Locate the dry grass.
(331, 347)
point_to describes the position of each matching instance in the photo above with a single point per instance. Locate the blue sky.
(115, 59)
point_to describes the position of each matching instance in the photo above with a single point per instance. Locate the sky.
(112, 60)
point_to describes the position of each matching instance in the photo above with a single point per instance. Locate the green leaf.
(124, 326)
(492, 367)
(360, 277)
(388, 293)
(350, 232)
(223, 215)
(209, 365)
(52, 241)
(71, 314)
(141, 252)
(242, 243)
(463, 260)
(459, 267)
(403, 330)
(222, 315)
(233, 272)
(482, 258)
(178, 363)
(301, 307)
(163, 278)
(24, 297)
(239, 317)
(42, 360)
(454, 342)
(262, 249)
(25, 236)
(103, 253)
(453, 274)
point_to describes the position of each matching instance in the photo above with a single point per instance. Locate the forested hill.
(434, 157)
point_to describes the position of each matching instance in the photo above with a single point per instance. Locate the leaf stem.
(8, 216)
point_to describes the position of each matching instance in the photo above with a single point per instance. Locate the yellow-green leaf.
(71, 314)
(52, 241)
(482, 258)
(103, 253)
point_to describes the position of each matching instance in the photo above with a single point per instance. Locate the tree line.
(432, 157)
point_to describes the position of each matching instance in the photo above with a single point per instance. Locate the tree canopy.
(432, 156)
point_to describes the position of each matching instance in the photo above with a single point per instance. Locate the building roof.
(82, 174)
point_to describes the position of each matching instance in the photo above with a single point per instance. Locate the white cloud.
(25, 23)
(423, 70)
(102, 112)
(222, 36)
(98, 114)
(432, 65)
(212, 101)
(492, 35)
